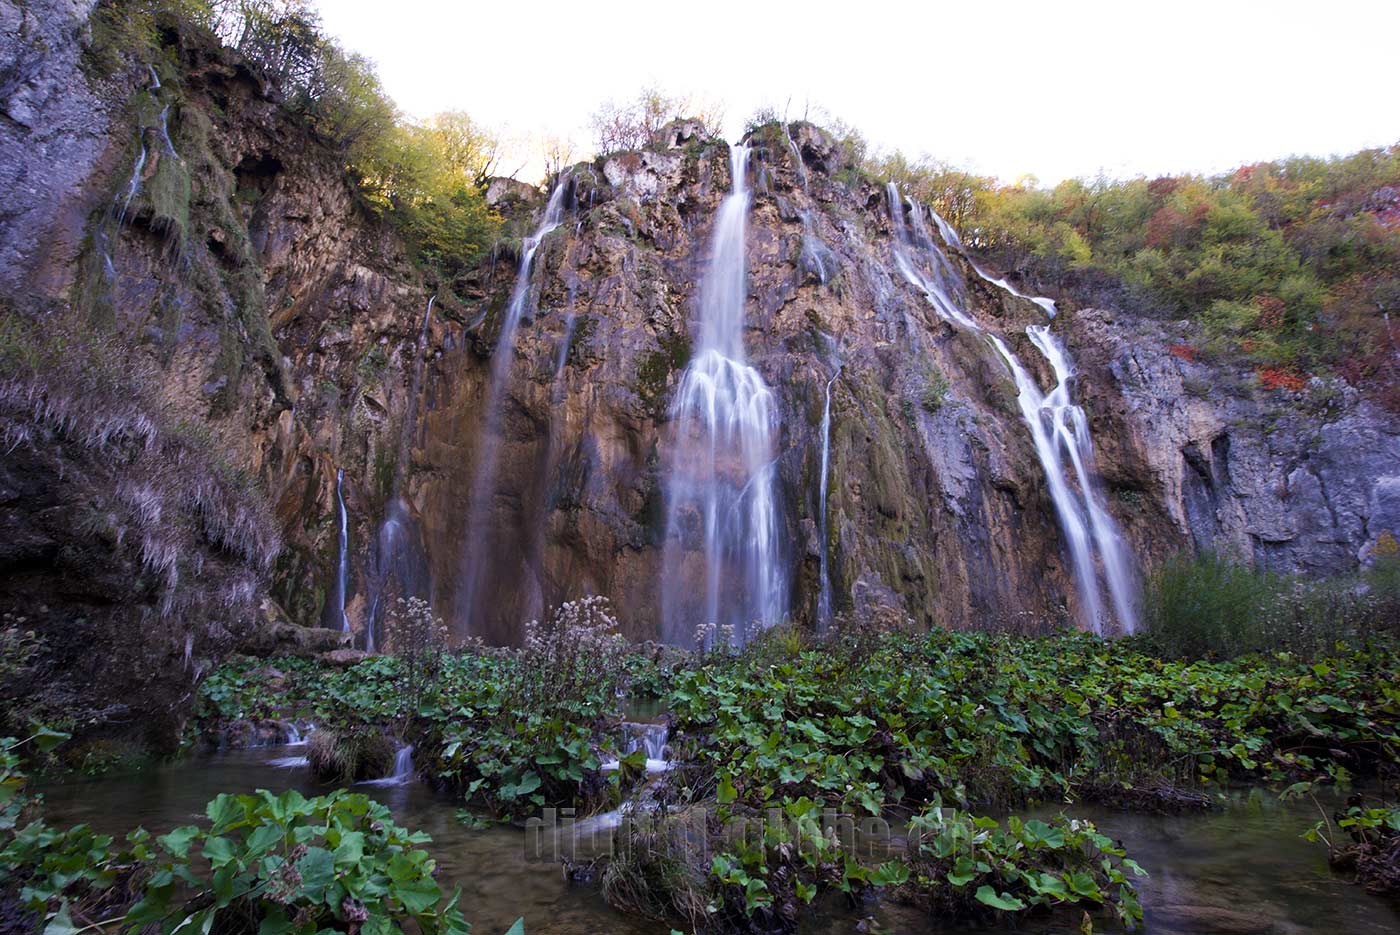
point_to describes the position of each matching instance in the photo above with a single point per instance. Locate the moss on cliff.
(655, 368)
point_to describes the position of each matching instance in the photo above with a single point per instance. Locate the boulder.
(343, 658)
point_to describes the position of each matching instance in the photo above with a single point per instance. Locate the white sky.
(1006, 88)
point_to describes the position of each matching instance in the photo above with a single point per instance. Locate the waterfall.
(484, 482)
(403, 769)
(950, 237)
(1058, 427)
(563, 356)
(721, 561)
(1071, 427)
(648, 738)
(823, 523)
(391, 542)
(343, 563)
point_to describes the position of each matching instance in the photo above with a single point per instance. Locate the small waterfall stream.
(1057, 426)
(403, 769)
(342, 573)
(823, 520)
(721, 560)
(488, 450)
(392, 547)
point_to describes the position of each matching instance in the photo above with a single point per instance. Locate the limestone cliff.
(188, 217)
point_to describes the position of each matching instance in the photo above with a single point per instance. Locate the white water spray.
(722, 555)
(488, 450)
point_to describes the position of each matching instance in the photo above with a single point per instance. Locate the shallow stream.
(1240, 870)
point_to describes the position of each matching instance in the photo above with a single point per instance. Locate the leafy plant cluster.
(1372, 852)
(979, 718)
(510, 729)
(274, 864)
(964, 864)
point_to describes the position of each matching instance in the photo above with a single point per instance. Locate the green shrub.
(288, 864)
(963, 864)
(1205, 605)
(268, 863)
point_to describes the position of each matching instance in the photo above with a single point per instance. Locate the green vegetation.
(935, 391)
(1371, 849)
(426, 178)
(936, 731)
(1293, 264)
(274, 863)
(655, 369)
(1202, 606)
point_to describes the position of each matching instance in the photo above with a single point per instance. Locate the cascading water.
(484, 482)
(563, 356)
(343, 562)
(392, 548)
(133, 186)
(1071, 427)
(815, 256)
(1057, 426)
(823, 522)
(951, 238)
(722, 559)
(403, 769)
(648, 738)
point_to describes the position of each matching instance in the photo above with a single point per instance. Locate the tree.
(633, 124)
(469, 148)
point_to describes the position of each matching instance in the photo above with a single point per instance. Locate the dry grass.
(203, 532)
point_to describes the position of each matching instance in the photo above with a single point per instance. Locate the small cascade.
(290, 762)
(1057, 426)
(936, 279)
(133, 186)
(484, 482)
(951, 238)
(403, 769)
(816, 257)
(823, 520)
(722, 558)
(165, 133)
(570, 321)
(392, 546)
(342, 572)
(650, 738)
(298, 733)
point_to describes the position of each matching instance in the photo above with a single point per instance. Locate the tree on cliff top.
(619, 127)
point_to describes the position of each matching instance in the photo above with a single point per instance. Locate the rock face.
(204, 226)
(261, 327)
(1299, 482)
